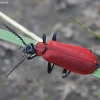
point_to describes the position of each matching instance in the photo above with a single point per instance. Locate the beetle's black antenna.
(16, 66)
(14, 33)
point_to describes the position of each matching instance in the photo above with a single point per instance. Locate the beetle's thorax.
(40, 48)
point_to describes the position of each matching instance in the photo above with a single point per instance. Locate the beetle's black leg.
(97, 66)
(44, 38)
(65, 74)
(54, 36)
(90, 50)
(31, 56)
(50, 68)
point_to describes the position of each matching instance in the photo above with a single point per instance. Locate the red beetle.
(70, 57)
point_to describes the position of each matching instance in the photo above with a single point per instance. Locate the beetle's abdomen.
(71, 57)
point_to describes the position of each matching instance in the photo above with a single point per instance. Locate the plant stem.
(20, 27)
(88, 29)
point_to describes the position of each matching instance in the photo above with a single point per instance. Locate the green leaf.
(8, 36)
(96, 73)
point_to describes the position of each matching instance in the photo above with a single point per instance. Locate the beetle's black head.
(28, 49)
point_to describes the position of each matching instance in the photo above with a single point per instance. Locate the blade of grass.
(12, 16)
(8, 36)
(20, 27)
(84, 26)
(97, 73)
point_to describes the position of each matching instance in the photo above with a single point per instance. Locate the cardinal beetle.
(70, 57)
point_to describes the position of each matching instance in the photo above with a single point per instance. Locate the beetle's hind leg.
(50, 67)
(65, 74)
(90, 50)
(54, 36)
(97, 66)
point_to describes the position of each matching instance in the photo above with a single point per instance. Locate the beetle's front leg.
(50, 68)
(31, 56)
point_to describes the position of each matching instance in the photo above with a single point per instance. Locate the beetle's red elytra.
(71, 57)
(67, 56)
